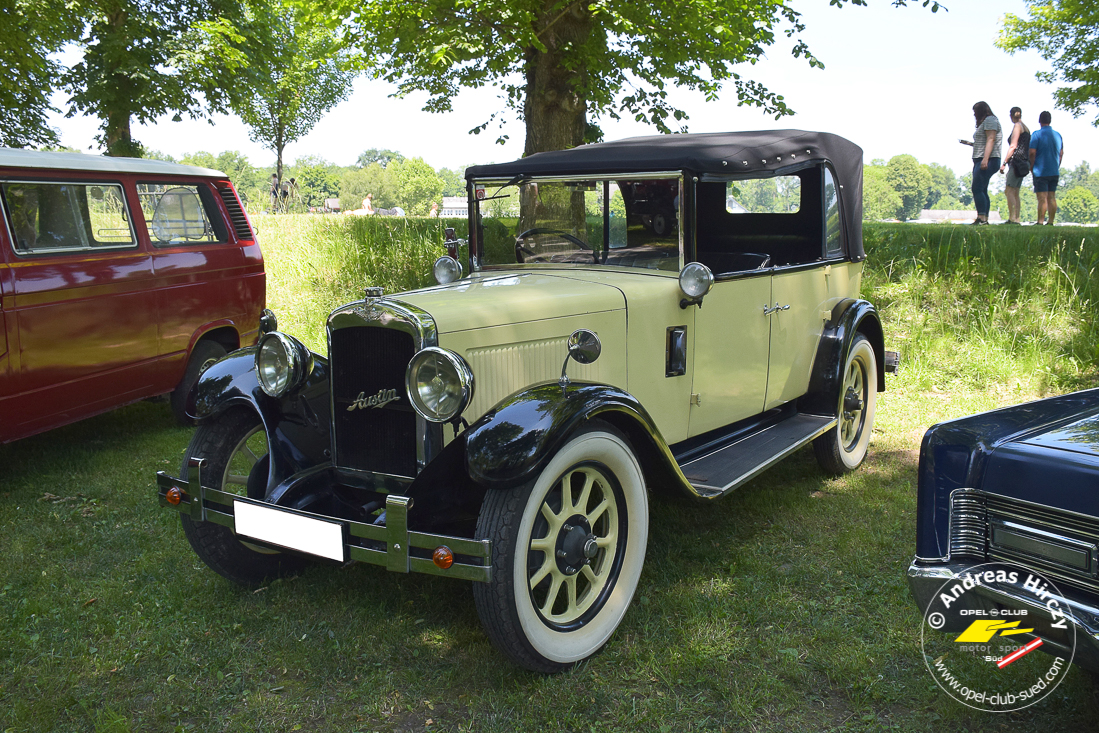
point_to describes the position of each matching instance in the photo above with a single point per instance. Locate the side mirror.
(584, 347)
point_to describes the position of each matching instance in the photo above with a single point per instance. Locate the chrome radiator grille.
(1062, 545)
(381, 437)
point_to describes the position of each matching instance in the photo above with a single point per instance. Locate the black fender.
(849, 318)
(511, 443)
(298, 425)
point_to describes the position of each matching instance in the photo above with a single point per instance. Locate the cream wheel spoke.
(555, 589)
(570, 589)
(585, 494)
(598, 511)
(545, 570)
(588, 573)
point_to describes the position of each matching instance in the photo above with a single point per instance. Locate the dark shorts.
(1042, 184)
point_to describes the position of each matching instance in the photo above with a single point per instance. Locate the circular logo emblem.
(984, 633)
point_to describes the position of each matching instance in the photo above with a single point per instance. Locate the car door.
(79, 298)
(732, 338)
(804, 291)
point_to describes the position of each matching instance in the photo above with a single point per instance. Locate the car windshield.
(621, 222)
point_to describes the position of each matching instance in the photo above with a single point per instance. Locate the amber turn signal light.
(442, 557)
(173, 496)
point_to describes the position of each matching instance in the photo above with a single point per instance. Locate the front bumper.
(924, 581)
(391, 545)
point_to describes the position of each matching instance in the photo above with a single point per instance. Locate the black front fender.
(512, 443)
(298, 425)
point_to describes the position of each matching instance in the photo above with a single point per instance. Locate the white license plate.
(293, 531)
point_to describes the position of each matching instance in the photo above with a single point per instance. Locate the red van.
(120, 279)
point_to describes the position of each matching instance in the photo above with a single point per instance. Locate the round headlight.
(695, 280)
(282, 363)
(447, 270)
(439, 383)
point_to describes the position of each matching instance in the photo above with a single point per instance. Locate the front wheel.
(234, 446)
(567, 553)
(843, 448)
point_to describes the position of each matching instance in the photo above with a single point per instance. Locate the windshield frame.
(493, 185)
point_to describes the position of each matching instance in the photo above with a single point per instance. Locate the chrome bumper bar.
(391, 545)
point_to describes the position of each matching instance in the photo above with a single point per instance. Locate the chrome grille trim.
(968, 524)
(391, 314)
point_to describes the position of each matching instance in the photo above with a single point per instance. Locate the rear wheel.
(203, 355)
(568, 549)
(234, 447)
(843, 448)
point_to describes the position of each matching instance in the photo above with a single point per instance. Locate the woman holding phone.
(987, 139)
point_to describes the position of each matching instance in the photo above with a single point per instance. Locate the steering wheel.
(522, 251)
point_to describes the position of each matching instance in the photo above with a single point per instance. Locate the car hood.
(1057, 466)
(494, 300)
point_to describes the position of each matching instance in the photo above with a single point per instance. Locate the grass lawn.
(780, 608)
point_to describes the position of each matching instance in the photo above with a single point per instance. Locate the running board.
(726, 468)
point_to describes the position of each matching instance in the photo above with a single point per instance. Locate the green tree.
(1078, 206)
(317, 179)
(454, 182)
(356, 184)
(295, 74)
(561, 66)
(417, 185)
(944, 184)
(879, 199)
(1064, 33)
(911, 181)
(378, 155)
(144, 58)
(31, 30)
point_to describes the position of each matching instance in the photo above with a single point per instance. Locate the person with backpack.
(1016, 163)
(1047, 149)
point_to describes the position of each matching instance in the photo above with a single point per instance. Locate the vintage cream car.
(670, 313)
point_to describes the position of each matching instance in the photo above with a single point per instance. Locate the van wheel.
(203, 355)
(567, 552)
(234, 446)
(843, 448)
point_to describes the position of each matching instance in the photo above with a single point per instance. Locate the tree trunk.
(554, 112)
(116, 135)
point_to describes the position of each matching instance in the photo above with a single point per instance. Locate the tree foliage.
(31, 30)
(145, 58)
(911, 181)
(1078, 206)
(1064, 33)
(562, 65)
(378, 155)
(294, 74)
(879, 199)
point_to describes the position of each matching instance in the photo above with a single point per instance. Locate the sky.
(896, 80)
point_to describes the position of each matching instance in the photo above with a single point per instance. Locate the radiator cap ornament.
(374, 291)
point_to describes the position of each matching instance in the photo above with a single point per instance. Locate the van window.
(65, 217)
(180, 214)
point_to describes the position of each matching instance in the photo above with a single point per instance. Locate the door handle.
(768, 310)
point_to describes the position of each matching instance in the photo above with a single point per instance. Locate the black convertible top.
(718, 154)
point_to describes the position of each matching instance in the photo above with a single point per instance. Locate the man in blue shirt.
(1046, 151)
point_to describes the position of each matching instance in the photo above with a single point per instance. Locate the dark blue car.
(1017, 487)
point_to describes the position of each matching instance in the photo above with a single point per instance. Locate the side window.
(833, 231)
(777, 195)
(65, 217)
(181, 214)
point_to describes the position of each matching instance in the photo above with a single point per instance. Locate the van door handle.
(767, 310)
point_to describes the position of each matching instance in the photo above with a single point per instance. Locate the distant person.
(274, 193)
(284, 197)
(1016, 163)
(368, 204)
(1047, 149)
(434, 213)
(987, 139)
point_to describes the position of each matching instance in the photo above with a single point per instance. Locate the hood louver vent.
(236, 214)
